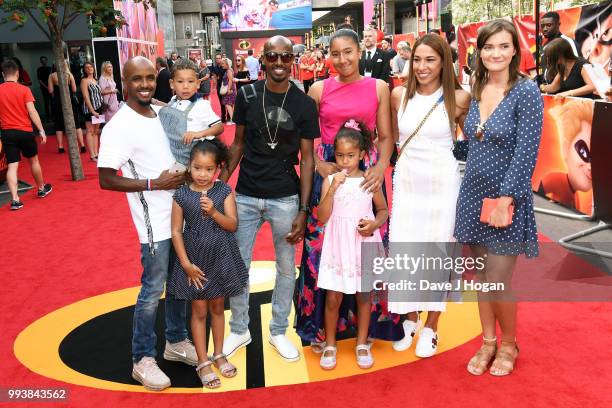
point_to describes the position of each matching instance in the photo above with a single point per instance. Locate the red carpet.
(79, 242)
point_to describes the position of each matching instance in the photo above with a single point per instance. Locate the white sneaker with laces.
(427, 344)
(410, 329)
(235, 342)
(149, 374)
(285, 348)
(183, 351)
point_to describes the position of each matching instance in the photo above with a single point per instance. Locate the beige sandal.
(209, 380)
(227, 369)
(505, 359)
(481, 360)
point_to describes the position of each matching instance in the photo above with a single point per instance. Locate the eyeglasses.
(272, 57)
(583, 151)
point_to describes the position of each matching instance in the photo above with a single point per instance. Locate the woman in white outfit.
(426, 110)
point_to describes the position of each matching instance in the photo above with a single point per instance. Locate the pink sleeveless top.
(341, 102)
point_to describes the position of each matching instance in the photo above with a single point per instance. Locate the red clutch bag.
(488, 204)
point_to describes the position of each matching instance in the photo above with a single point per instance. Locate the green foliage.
(59, 14)
(470, 11)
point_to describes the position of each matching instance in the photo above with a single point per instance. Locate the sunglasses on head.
(272, 57)
(583, 150)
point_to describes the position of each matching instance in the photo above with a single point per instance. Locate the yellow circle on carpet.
(37, 346)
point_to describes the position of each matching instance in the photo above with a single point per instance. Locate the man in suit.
(163, 92)
(374, 62)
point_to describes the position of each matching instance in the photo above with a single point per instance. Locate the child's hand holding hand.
(189, 136)
(195, 276)
(207, 205)
(366, 227)
(338, 180)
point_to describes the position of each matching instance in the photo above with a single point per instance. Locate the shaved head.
(134, 64)
(139, 75)
(278, 41)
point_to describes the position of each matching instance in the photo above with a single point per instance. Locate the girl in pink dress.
(346, 211)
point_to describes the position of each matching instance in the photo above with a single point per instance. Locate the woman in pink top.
(349, 95)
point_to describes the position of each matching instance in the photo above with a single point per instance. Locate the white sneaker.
(148, 374)
(183, 351)
(285, 348)
(235, 342)
(427, 344)
(410, 329)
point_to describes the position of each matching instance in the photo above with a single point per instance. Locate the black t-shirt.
(219, 72)
(267, 172)
(42, 74)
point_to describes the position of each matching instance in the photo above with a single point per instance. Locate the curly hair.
(213, 146)
(363, 137)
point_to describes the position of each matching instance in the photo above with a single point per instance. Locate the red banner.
(466, 44)
(409, 38)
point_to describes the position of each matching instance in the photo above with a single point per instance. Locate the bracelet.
(148, 184)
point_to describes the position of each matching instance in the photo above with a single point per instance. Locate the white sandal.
(328, 362)
(317, 347)
(366, 361)
(209, 380)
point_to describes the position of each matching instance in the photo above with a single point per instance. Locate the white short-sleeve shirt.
(131, 136)
(200, 117)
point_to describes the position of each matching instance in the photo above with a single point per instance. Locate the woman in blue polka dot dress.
(503, 129)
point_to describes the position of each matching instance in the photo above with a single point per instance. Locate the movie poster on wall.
(563, 167)
(241, 46)
(262, 15)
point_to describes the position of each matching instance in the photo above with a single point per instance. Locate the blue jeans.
(280, 213)
(157, 269)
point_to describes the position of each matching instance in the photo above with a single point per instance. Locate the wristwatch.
(305, 208)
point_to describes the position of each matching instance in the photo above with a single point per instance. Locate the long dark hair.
(448, 77)
(557, 53)
(481, 74)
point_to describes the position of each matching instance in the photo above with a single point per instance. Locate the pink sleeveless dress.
(340, 268)
(339, 103)
(343, 101)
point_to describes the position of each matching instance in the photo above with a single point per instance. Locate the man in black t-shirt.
(275, 121)
(550, 24)
(42, 74)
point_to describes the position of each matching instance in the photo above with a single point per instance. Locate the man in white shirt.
(401, 60)
(253, 66)
(135, 143)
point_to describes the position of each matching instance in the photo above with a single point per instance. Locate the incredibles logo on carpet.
(88, 343)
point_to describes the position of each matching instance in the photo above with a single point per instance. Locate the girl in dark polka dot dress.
(503, 127)
(208, 266)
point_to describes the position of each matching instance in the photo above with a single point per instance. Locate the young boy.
(201, 119)
(17, 112)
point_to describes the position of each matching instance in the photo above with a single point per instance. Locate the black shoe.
(16, 205)
(43, 192)
(61, 150)
(83, 149)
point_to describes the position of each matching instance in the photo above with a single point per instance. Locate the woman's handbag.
(223, 90)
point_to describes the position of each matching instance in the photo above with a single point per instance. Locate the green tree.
(53, 17)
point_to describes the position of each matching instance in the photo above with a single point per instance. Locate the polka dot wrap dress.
(210, 247)
(502, 165)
